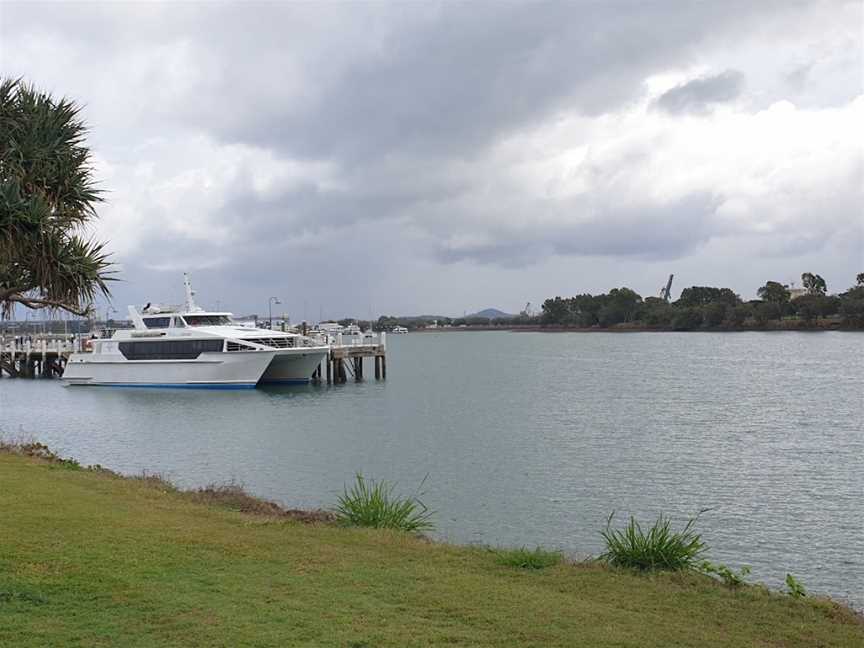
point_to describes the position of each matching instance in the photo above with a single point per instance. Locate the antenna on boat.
(191, 306)
(135, 317)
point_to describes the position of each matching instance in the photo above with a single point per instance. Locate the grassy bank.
(92, 559)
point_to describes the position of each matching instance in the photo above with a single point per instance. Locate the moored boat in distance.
(190, 347)
(399, 330)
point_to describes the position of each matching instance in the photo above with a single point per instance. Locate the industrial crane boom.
(666, 291)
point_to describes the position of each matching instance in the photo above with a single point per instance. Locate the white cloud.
(784, 171)
(183, 195)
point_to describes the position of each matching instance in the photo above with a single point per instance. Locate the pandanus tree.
(47, 198)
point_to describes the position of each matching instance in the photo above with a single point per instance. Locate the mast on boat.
(191, 306)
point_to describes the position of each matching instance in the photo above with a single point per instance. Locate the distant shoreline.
(793, 326)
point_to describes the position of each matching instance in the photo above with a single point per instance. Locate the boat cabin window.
(179, 323)
(207, 320)
(165, 349)
(157, 322)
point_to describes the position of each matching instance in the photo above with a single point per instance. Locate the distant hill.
(492, 313)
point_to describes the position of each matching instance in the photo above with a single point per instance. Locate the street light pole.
(108, 310)
(270, 302)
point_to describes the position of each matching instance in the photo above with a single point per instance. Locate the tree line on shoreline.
(698, 308)
(707, 307)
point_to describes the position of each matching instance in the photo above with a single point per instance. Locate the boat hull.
(293, 366)
(208, 371)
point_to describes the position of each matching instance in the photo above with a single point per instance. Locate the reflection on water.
(532, 438)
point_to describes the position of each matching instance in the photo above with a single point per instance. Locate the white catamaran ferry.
(189, 347)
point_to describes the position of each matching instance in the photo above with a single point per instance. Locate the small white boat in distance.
(190, 347)
(399, 329)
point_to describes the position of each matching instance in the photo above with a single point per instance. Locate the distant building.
(795, 293)
(330, 327)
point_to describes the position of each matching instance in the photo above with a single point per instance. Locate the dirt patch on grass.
(233, 496)
(841, 613)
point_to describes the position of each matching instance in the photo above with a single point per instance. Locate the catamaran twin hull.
(219, 370)
(189, 347)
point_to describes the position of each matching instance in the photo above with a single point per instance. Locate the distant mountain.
(492, 313)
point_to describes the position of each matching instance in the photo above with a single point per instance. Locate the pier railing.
(49, 343)
(369, 339)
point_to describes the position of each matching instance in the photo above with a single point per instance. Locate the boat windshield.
(207, 320)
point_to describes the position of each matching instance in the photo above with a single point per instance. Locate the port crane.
(666, 291)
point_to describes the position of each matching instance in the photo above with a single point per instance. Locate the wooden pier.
(347, 356)
(36, 356)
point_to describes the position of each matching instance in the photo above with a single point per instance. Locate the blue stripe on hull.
(174, 385)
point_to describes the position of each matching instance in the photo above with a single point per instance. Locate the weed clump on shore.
(38, 451)
(662, 549)
(370, 503)
(659, 548)
(794, 587)
(727, 575)
(524, 558)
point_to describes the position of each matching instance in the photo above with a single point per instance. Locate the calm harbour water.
(531, 438)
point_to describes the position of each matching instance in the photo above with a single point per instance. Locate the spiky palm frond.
(47, 196)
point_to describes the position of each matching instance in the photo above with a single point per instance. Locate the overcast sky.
(440, 158)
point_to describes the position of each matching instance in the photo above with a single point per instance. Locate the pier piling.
(347, 356)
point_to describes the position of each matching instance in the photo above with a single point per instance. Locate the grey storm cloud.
(651, 232)
(448, 79)
(699, 95)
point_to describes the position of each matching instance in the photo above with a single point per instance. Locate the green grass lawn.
(90, 559)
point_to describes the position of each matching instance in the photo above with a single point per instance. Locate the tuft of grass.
(794, 587)
(726, 574)
(659, 549)
(370, 503)
(525, 558)
(25, 596)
